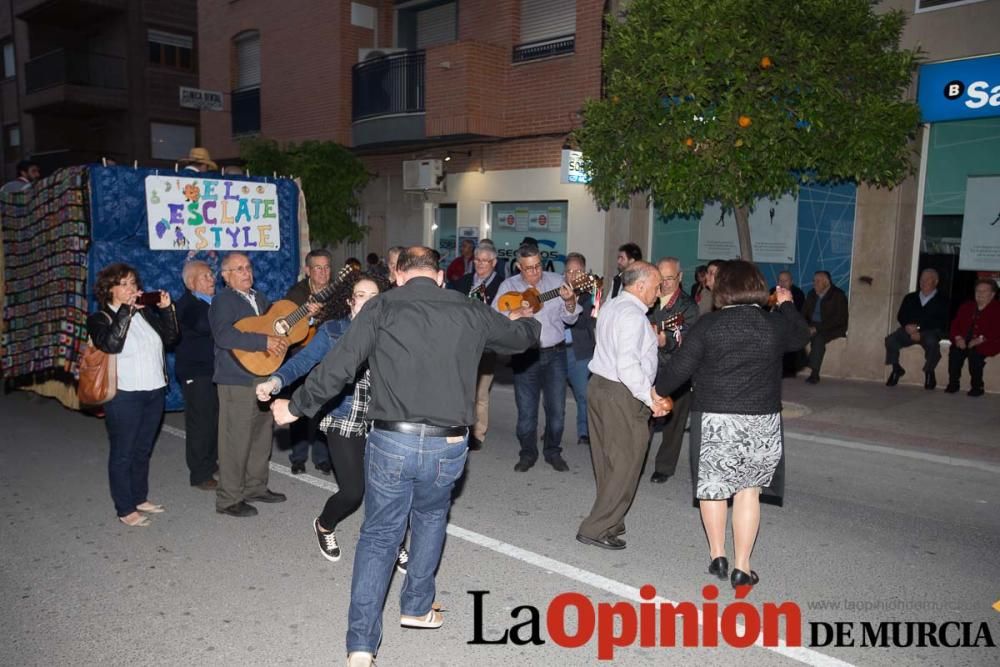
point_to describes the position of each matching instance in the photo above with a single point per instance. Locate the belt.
(413, 428)
(557, 346)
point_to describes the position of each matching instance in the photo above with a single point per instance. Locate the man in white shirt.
(541, 370)
(620, 401)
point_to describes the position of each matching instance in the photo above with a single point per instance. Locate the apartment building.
(85, 79)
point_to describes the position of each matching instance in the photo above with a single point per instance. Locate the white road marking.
(893, 451)
(799, 653)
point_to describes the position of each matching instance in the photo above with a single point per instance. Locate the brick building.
(460, 109)
(84, 79)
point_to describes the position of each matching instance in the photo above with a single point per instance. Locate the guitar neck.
(296, 315)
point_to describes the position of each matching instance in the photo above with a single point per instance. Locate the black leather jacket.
(108, 329)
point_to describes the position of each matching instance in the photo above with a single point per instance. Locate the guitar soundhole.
(281, 327)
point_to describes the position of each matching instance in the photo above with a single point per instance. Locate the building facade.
(86, 79)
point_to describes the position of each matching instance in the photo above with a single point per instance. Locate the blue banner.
(960, 89)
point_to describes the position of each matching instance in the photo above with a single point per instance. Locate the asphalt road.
(885, 537)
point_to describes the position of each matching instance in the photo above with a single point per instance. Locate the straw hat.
(201, 156)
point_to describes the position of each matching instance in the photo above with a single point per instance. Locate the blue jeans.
(540, 372)
(577, 373)
(406, 476)
(132, 419)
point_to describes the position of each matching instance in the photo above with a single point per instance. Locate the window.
(171, 50)
(548, 28)
(245, 99)
(12, 142)
(931, 5)
(9, 64)
(170, 142)
(427, 25)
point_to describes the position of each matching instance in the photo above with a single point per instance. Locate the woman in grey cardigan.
(734, 357)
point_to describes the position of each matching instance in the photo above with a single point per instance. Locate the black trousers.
(929, 340)
(348, 458)
(673, 432)
(817, 350)
(201, 423)
(977, 362)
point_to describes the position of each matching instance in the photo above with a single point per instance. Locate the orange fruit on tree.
(766, 62)
(615, 99)
(744, 121)
(689, 142)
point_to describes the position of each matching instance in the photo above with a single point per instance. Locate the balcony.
(70, 13)
(545, 48)
(72, 78)
(245, 111)
(388, 99)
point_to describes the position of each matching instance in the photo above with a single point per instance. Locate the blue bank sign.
(959, 90)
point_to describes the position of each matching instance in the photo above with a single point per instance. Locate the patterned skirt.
(730, 453)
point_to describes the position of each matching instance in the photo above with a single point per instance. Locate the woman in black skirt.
(734, 357)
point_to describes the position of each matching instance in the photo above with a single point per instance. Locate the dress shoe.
(268, 496)
(475, 444)
(976, 391)
(659, 478)
(897, 372)
(583, 440)
(207, 485)
(240, 509)
(741, 578)
(604, 542)
(324, 468)
(524, 465)
(813, 378)
(952, 388)
(558, 463)
(298, 468)
(719, 567)
(929, 380)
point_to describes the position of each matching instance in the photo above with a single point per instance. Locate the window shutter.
(170, 39)
(437, 25)
(248, 61)
(546, 19)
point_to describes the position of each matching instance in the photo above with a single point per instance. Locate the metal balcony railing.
(392, 84)
(245, 107)
(545, 48)
(76, 67)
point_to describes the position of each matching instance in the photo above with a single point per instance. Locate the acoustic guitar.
(671, 324)
(285, 319)
(512, 300)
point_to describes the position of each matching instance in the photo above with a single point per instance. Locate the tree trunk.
(743, 232)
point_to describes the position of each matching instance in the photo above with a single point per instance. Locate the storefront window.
(544, 221)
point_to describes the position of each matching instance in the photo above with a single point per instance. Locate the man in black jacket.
(628, 254)
(482, 284)
(194, 364)
(673, 303)
(923, 320)
(826, 313)
(423, 346)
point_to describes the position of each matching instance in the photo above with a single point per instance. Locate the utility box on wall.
(423, 175)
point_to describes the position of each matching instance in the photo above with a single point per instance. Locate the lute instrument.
(286, 319)
(512, 300)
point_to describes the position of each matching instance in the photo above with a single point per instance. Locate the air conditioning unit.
(365, 55)
(423, 175)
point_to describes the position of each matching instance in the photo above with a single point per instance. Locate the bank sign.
(960, 89)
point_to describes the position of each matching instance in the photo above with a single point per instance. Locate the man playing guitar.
(482, 284)
(318, 269)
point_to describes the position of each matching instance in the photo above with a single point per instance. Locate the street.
(866, 534)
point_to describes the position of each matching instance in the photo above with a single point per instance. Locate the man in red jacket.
(975, 335)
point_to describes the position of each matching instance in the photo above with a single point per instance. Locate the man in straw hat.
(200, 160)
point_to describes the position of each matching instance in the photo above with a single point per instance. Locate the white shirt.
(553, 315)
(140, 363)
(925, 299)
(626, 346)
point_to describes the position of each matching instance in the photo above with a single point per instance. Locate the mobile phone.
(151, 298)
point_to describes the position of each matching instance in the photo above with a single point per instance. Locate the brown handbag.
(98, 376)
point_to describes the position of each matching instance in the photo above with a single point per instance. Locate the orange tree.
(731, 100)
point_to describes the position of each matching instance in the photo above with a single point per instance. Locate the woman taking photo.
(137, 334)
(734, 357)
(345, 425)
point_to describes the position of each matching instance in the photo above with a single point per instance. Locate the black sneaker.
(402, 560)
(327, 543)
(298, 467)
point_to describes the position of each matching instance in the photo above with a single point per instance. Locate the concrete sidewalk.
(901, 417)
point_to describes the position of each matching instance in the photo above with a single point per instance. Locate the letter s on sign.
(977, 94)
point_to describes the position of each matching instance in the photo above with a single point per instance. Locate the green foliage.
(332, 178)
(828, 105)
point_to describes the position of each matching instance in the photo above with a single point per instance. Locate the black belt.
(557, 346)
(413, 428)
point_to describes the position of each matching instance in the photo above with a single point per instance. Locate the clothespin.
(135, 164)
(176, 168)
(104, 162)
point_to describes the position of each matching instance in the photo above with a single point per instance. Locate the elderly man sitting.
(923, 320)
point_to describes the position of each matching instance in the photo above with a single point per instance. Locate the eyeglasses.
(320, 267)
(533, 267)
(245, 268)
(669, 279)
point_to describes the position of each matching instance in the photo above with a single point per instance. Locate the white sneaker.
(360, 659)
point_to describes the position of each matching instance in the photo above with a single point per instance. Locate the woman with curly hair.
(133, 416)
(345, 424)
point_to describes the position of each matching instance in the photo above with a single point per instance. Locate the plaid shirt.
(354, 424)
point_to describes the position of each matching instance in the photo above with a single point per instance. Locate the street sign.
(196, 98)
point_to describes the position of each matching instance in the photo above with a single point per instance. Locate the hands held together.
(662, 405)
